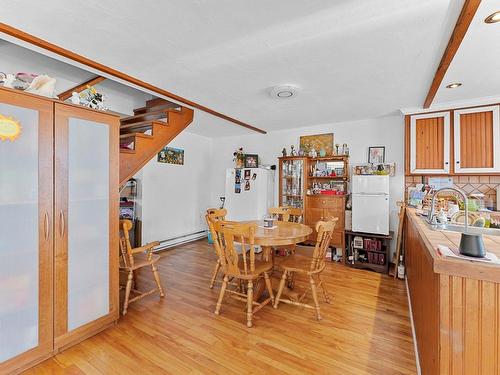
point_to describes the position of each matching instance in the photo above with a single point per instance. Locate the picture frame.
(251, 161)
(171, 155)
(376, 154)
(317, 142)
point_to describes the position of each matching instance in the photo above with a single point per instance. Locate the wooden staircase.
(145, 133)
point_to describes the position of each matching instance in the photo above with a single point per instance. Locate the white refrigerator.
(251, 204)
(370, 204)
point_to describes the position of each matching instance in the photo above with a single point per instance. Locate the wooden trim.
(407, 145)
(60, 218)
(464, 20)
(79, 88)
(31, 39)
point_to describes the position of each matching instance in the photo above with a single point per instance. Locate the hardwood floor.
(366, 329)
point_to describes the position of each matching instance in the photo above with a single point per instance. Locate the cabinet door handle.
(62, 224)
(458, 162)
(446, 163)
(46, 225)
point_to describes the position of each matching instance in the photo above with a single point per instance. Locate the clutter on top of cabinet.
(30, 82)
(375, 169)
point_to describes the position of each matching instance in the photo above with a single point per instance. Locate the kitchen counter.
(454, 303)
(456, 267)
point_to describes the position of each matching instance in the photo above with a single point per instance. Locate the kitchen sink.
(460, 228)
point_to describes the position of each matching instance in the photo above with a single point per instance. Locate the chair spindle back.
(125, 246)
(325, 231)
(226, 234)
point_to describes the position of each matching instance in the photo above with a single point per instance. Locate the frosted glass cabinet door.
(25, 229)
(84, 210)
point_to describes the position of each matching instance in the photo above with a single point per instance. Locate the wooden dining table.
(283, 233)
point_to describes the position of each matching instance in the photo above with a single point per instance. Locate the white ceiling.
(353, 59)
(477, 62)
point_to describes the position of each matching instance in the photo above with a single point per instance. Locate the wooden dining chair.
(296, 214)
(215, 214)
(279, 213)
(132, 259)
(291, 214)
(242, 267)
(309, 266)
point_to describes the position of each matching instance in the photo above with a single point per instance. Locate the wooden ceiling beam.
(464, 20)
(79, 88)
(31, 39)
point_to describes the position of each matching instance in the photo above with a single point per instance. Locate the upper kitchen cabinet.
(476, 140)
(430, 143)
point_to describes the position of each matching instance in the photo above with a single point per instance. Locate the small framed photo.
(251, 161)
(376, 154)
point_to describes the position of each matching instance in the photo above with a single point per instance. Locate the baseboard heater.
(182, 239)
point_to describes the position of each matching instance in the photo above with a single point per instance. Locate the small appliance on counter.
(370, 204)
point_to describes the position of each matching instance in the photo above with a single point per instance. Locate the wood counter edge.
(447, 266)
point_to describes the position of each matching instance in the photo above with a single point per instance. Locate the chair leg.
(280, 289)
(134, 283)
(221, 294)
(127, 291)
(157, 278)
(315, 297)
(325, 291)
(291, 280)
(214, 276)
(269, 287)
(249, 303)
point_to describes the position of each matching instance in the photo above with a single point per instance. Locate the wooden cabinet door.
(477, 137)
(86, 222)
(430, 143)
(26, 230)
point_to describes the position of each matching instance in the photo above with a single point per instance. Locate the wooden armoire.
(59, 186)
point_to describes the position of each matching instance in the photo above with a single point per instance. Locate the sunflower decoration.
(10, 128)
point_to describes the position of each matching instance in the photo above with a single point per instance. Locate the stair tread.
(143, 124)
(160, 101)
(130, 135)
(127, 150)
(142, 117)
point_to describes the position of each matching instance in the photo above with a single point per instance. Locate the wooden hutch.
(308, 183)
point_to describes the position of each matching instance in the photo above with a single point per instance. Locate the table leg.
(260, 286)
(268, 253)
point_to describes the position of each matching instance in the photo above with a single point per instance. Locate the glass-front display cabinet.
(292, 181)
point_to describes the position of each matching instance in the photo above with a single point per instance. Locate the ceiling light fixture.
(493, 18)
(283, 92)
(453, 85)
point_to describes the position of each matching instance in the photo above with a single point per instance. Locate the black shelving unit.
(373, 258)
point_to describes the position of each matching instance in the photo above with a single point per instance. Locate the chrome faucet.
(432, 216)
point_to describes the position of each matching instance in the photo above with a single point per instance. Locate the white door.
(370, 213)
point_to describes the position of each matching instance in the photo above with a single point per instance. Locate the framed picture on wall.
(376, 154)
(251, 161)
(171, 155)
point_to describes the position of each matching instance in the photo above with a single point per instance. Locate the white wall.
(118, 97)
(359, 135)
(175, 197)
